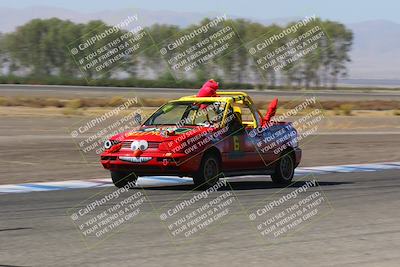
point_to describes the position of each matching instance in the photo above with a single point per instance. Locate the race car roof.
(225, 96)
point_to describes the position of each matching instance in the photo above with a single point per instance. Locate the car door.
(241, 153)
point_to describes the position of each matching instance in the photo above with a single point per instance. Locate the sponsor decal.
(141, 133)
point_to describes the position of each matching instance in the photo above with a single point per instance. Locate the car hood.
(160, 134)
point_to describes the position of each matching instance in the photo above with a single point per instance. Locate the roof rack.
(236, 96)
(233, 93)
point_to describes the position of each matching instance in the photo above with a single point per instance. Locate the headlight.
(109, 143)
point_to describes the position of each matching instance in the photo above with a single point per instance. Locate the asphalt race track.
(359, 227)
(355, 224)
(96, 91)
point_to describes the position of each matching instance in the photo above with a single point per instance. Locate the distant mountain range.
(375, 54)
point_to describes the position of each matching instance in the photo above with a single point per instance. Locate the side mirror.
(137, 118)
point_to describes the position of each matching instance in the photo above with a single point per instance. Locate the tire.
(208, 173)
(284, 169)
(121, 179)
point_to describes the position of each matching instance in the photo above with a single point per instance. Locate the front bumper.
(178, 164)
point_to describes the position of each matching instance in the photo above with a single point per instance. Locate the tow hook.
(165, 162)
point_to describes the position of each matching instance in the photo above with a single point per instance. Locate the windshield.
(185, 113)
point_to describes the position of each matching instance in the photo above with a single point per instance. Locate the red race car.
(205, 138)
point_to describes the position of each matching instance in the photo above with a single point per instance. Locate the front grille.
(152, 145)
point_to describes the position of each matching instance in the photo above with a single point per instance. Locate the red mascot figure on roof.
(273, 106)
(209, 89)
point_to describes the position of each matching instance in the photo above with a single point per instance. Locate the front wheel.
(208, 173)
(121, 179)
(284, 169)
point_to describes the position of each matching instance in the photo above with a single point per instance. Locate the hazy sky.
(343, 10)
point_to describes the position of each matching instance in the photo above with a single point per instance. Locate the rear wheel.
(208, 173)
(284, 169)
(121, 179)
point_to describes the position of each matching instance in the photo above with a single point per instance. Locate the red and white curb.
(158, 181)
